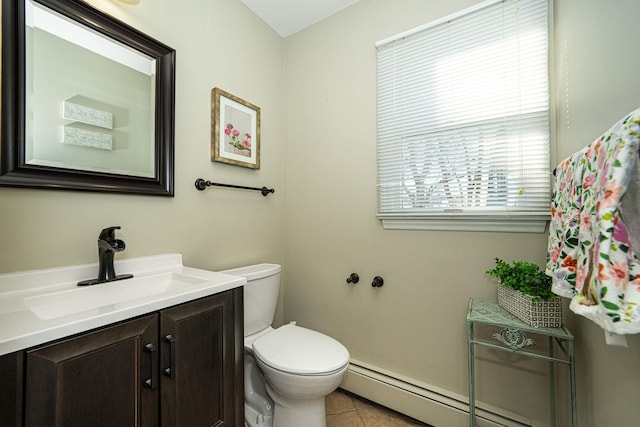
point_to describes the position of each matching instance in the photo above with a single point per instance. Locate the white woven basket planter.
(541, 314)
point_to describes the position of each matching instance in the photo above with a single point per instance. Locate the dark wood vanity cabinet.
(181, 366)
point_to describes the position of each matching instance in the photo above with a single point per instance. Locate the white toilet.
(300, 366)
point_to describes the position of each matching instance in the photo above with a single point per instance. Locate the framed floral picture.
(235, 130)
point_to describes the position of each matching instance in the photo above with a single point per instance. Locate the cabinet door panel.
(95, 379)
(198, 391)
(11, 389)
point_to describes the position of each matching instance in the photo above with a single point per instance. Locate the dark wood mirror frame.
(14, 171)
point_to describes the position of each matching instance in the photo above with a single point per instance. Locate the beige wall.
(596, 37)
(218, 43)
(415, 324)
(321, 221)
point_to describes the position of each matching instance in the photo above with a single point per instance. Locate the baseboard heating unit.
(423, 402)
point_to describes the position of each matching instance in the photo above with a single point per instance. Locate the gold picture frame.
(235, 130)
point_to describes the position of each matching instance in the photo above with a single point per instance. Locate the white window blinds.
(463, 116)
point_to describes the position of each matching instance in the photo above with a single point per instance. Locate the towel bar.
(201, 185)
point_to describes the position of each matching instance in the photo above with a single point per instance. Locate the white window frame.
(481, 219)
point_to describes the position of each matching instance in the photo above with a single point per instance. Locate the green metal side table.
(512, 337)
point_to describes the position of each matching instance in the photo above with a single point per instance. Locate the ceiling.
(287, 17)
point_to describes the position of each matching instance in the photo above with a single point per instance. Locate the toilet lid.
(301, 351)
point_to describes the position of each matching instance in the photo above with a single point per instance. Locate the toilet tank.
(260, 295)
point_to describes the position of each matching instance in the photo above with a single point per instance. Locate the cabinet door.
(96, 379)
(11, 389)
(199, 362)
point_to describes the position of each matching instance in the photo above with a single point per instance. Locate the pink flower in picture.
(243, 147)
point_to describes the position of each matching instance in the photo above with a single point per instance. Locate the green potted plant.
(525, 292)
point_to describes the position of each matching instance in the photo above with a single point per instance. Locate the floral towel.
(591, 258)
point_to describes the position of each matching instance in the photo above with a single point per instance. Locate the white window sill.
(522, 223)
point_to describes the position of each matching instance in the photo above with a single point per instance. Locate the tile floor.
(345, 409)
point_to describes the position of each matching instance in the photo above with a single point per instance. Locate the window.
(463, 121)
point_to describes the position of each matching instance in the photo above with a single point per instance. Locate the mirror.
(87, 101)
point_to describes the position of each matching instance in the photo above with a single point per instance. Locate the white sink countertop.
(44, 305)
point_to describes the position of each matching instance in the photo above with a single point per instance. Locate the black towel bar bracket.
(202, 184)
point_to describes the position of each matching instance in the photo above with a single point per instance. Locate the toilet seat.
(297, 350)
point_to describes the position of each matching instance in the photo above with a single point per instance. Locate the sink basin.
(108, 296)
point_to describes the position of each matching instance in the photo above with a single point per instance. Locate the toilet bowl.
(288, 370)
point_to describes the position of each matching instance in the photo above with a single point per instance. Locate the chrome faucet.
(108, 245)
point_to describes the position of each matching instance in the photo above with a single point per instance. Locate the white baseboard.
(434, 406)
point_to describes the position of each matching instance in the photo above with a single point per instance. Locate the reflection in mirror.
(89, 99)
(93, 102)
